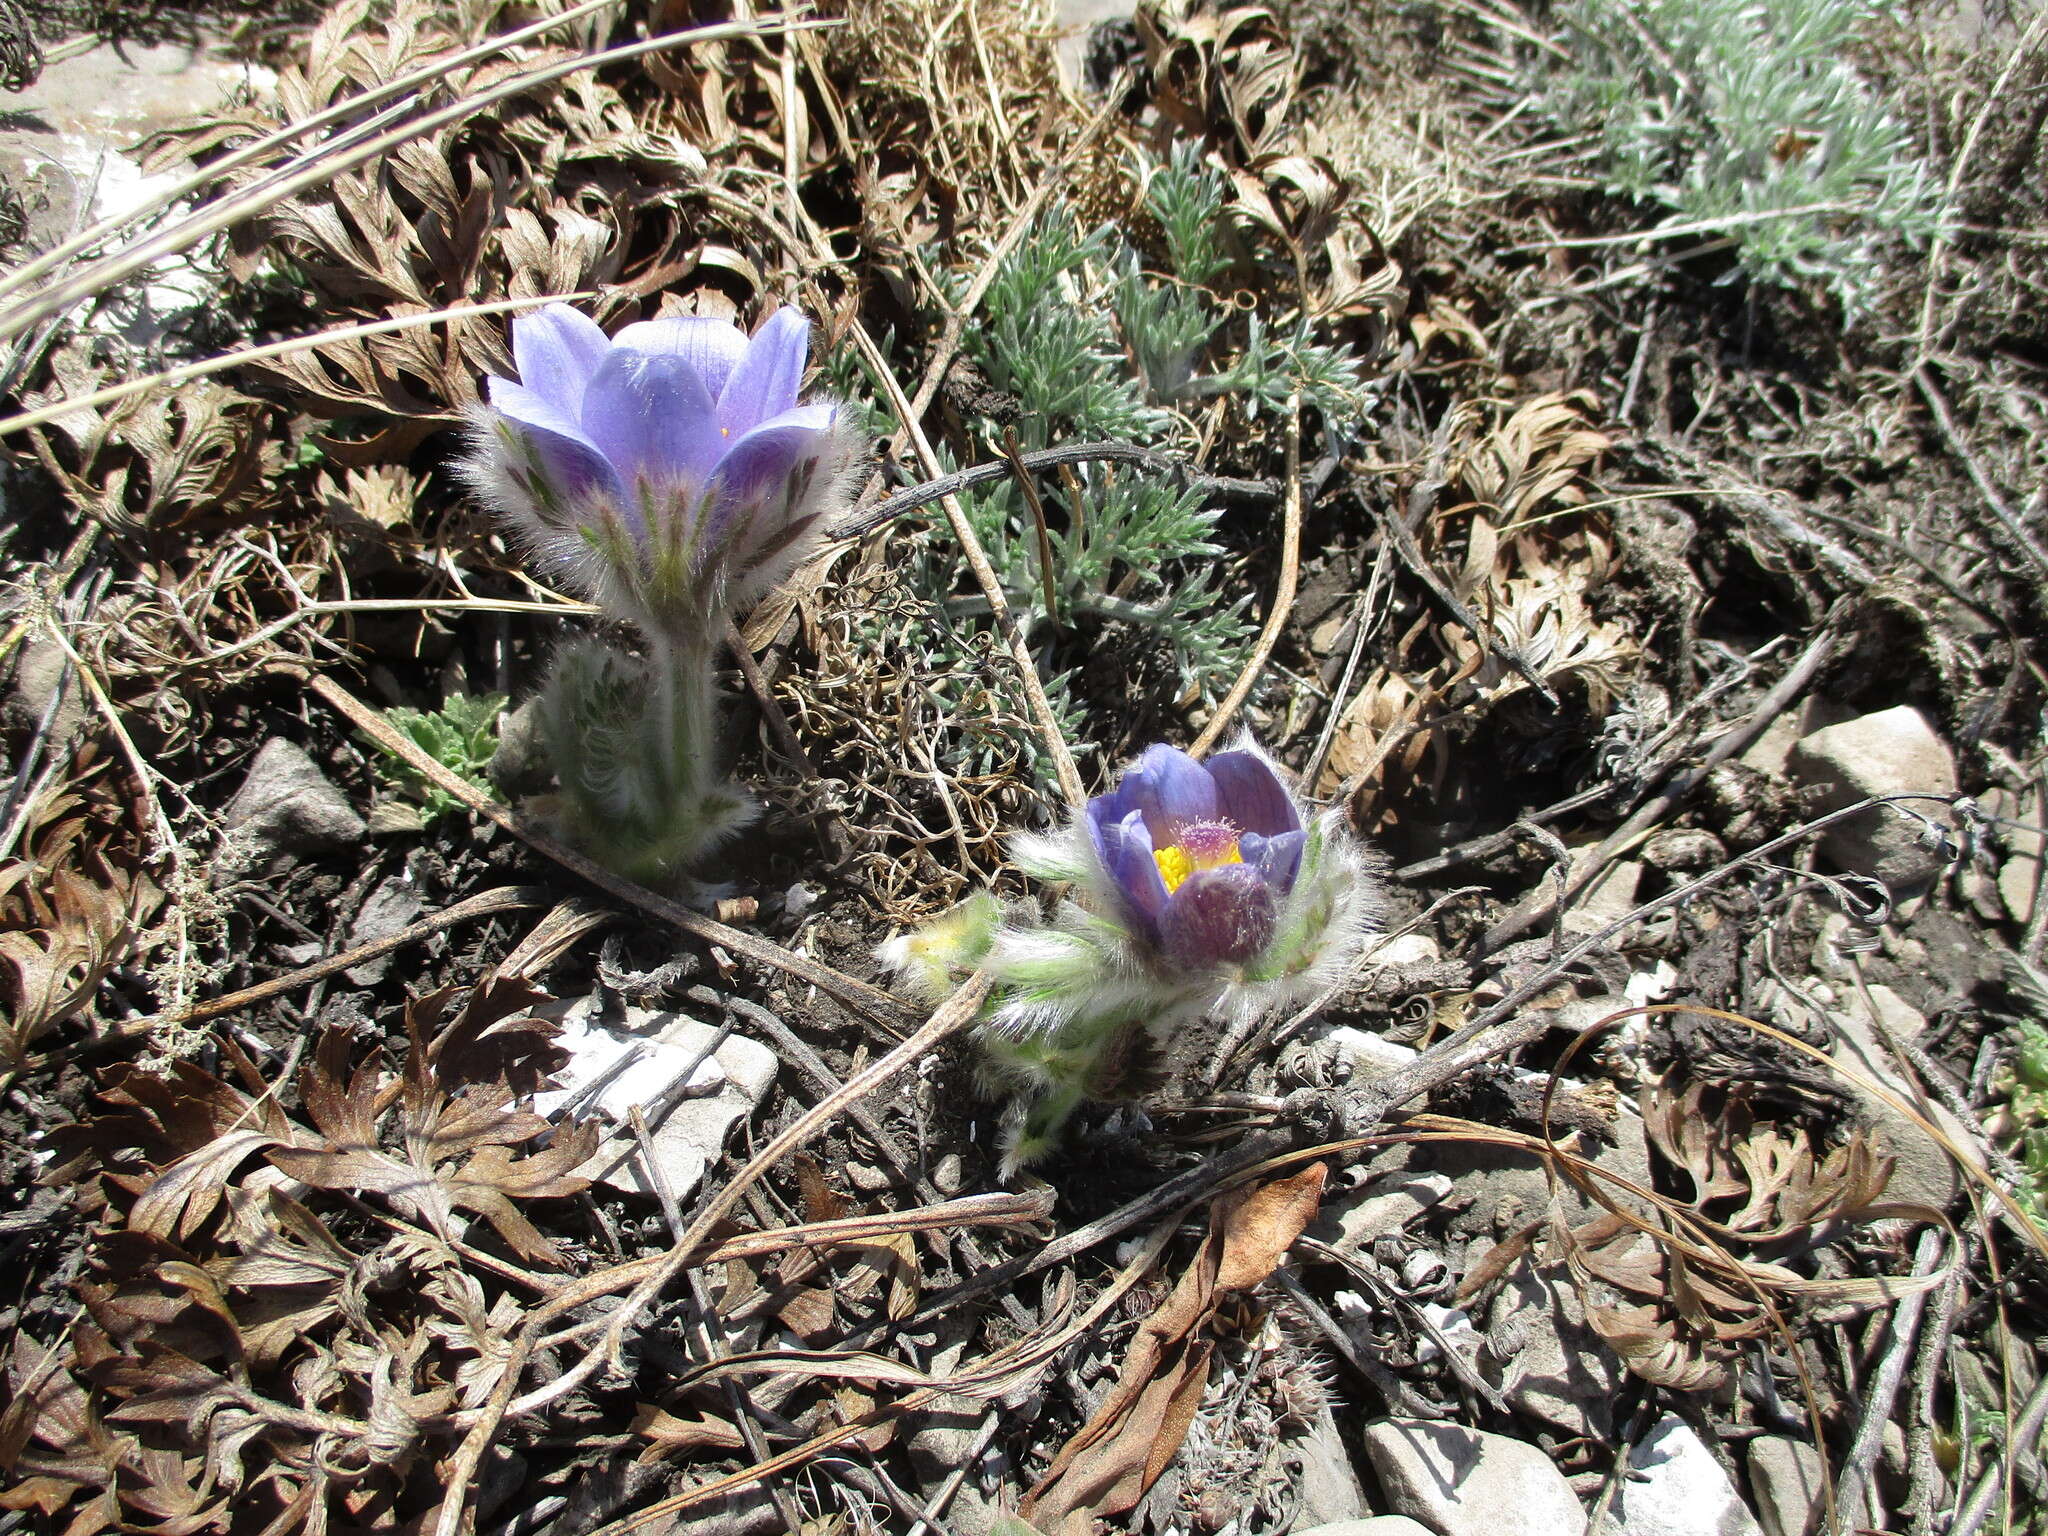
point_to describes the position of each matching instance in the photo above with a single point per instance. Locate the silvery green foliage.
(1200, 890)
(1092, 344)
(1724, 110)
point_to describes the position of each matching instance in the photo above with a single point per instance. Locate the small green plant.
(1092, 344)
(461, 736)
(2023, 1081)
(1746, 120)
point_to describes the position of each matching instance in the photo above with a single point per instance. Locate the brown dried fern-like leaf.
(72, 907)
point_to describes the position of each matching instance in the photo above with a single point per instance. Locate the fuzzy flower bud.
(668, 471)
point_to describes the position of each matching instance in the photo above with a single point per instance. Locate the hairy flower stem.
(1108, 1053)
(634, 742)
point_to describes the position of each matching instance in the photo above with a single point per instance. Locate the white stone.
(1894, 752)
(69, 134)
(1404, 950)
(612, 1071)
(1386, 1205)
(1369, 1056)
(1785, 1479)
(1465, 1482)
(1675, 1487)
(1376, 1525)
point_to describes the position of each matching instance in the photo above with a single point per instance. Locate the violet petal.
(712, 347)
(755, 459)
(1172, 789)
(556, 351)
(765, 382)
(1127, 855)
(1250, 795)
(1277, 859)
(569, 459)
(652, 417)
(1219, 917)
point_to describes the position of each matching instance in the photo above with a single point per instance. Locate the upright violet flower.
(1204, 891)
(669, 470)
(670, 474)
(1202, 855)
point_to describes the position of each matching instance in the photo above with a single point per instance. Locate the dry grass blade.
(253, 152)
(101, 275)
(114, 393)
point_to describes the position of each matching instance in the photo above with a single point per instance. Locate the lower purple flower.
(1201, 856)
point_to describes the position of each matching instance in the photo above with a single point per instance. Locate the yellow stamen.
(1176, 863)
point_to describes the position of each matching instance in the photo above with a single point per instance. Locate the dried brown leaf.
(1130, 1440)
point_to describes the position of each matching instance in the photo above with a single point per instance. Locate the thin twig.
(1880, 1391)
(985, 577)
(1283, 594)
(2026, 1431)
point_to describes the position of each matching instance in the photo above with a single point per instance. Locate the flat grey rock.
(391, 907)
(1675, 1487)
(1925, 1173)
(286, 805)
(1375, 1525)
(1785, 1479)
(1893, 752)
(1465, 1482)
(1329, 1488)
(1545, 1358)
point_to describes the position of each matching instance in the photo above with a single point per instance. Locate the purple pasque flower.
(1201, 855)
(667, 470)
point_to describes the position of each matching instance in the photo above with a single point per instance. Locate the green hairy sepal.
(1074, 1014)
(631, 740)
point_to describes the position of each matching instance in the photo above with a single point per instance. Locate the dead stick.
(510, 898)
(1882, 1389)
(1801, 673)
(1283, 595)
